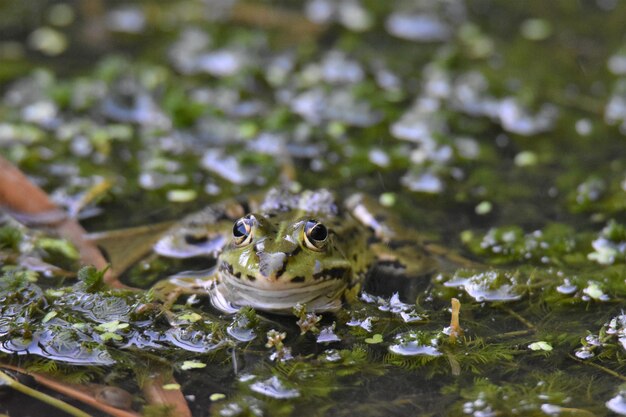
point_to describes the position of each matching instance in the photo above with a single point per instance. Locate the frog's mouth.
(229, 294)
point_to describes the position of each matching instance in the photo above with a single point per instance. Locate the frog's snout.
(272, 265)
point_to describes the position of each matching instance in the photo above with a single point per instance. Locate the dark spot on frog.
(396, 244)
(297, 279)
(237, 274)
(196, 240)
(395, 264)
(296, 251)
(331, 273)
(251, 277)
(281, 270)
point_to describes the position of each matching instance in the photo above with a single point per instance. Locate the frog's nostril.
(272, 265)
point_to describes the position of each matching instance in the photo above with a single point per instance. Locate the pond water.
(496, 129)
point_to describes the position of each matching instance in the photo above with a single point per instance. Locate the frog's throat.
(229, 294)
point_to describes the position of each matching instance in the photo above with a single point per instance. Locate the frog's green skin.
(277, 267)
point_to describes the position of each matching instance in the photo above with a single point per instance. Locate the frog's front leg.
(170, 289)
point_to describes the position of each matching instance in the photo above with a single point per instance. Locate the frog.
(286, 248)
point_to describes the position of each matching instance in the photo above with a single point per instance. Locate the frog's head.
(276, 261)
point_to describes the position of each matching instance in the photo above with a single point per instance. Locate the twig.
(63, 406)
(600, 367)
(32, 202)
(523, 320)
(73, 391)
(512, 334)
(455, 325)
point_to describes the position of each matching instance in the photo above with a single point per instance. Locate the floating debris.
(350, 13)
(221, 63)
(610, 246)
(317, 106)
(617, 62)
(617, 404)
(227, 167)
(415, 343)
(611, 337)
(418, 27)
(126, 19)
(488, 286)
(48, 41)
(536, 29)
(365, 324)
(274, 388)
(426, 182)
(191, 340)
(327, 335)
(567, 287)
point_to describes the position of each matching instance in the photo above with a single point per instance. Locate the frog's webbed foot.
(193, 282)
(219, 298)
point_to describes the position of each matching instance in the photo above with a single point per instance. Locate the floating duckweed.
(594, 291)
(610, 246)
(554, 244)
(541, 345)
(536, 29)
(387, 199)
(610, 341)
(48, 41)
(49, 316)
(190, 317)
(181, 196)
(217, 396)
(484, 207)
(111, 326)
(375, 339)
(187, 365)
(526, 159)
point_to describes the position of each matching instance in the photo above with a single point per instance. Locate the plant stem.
(18, 386)
(600, 367)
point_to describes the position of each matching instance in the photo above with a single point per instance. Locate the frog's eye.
(242, 230)
(315, 235)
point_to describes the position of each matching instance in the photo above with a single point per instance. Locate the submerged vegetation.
(491, 127)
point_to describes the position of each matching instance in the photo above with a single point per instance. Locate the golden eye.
(242, 230)
(315, 235)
